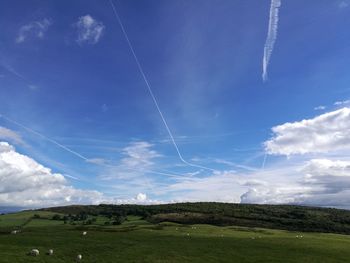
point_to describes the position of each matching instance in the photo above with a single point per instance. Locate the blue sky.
(67, 73)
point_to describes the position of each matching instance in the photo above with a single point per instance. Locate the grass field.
(139, 241)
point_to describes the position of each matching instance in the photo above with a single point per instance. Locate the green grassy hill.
(296, 218)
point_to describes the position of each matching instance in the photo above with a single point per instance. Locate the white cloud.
(326, 167)
(271, 35)
(343, 4)
(222, 186)
(341, 103)
(321, 107)
(89, 30)
(131, 174)
(98, 161)
(7, 134)
(35, 29)
(26, 183)
(32, 87)
(328, 132)
(139, 154)
(104, 107)
(273, 195)
(141, 197)
(318, 182)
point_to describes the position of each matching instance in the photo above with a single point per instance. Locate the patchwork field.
(136, 240)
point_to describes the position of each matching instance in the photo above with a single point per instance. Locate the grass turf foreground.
(139, 241)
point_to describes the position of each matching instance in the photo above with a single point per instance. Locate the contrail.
(271, 36)
(18, 75)
(44, 137)
(151, 92)
(80, 155)
(70, 176)
(264, 161)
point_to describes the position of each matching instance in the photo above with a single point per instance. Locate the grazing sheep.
(50, 252)
(14, 232)
(84, 233)
(34, 252)
(79, 257)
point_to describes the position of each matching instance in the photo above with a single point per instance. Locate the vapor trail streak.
(264, 162)
(271, 35)
(151, 92)
(44, 137)
(80, 155)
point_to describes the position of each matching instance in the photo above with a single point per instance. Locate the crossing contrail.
(271, 36)
(44, 137)
(80, 155)
(151, 92)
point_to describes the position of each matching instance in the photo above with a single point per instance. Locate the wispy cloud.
(137, 161)
(343, 4)
(104, 107)
(342, 102)
(321, 107)
(89, 30)
(36, 29)
(139, 154)
(271, 35)
(7, 134)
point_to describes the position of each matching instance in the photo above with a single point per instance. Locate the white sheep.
(79, 257)
(50, 252)
(14, 232)
(34, 252)
(84, 233)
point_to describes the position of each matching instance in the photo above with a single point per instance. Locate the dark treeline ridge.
(288, 217)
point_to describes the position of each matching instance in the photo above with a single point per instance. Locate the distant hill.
(288, 217)
(9, 209)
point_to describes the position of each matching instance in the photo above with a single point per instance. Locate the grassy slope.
(139, 241)
(297, 218)
(15, 220)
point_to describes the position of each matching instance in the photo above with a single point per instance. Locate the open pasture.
(139, 241)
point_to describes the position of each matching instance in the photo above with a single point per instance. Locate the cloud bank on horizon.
(308, 181)
(26, 183)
